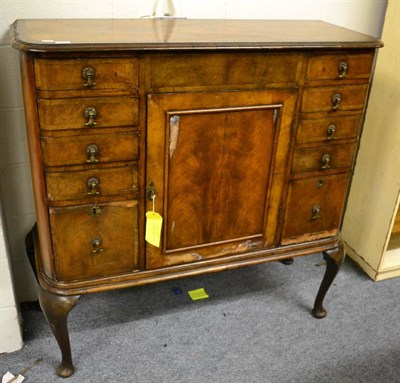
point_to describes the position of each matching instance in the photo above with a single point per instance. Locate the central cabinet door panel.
(216, 160)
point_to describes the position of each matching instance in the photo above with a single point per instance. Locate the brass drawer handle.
(336, 99)
(325, 161)
(331, 132)
(90, 113)
(343, 68)
(88, 74)
(92, 184)
(96, 242)
(316, 212)
(92, 150)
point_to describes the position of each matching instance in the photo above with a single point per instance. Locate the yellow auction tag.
(197, 294)
(153, 228)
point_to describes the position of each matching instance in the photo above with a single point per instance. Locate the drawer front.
(334, 98)
(92, 241)
(328, 129)
(71, 74)
(323, 158)
(223, 70)
(314, 207)
(90, 184)
(86, 113)
(340, 67)
(92, 149)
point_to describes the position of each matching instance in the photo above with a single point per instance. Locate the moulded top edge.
(55, 35)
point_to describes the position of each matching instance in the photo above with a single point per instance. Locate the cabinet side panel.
(39, 188)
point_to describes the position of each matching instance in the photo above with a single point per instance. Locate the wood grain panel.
(310, 159)
(303, 195)
(61, 114)
(188, 71)
(219, 162)
(73, 229)
(212, 173)
(72, 150)
(316, 130)
(326, 67)
(319, 99)
(181, 34)
(66, 74)
(72, 185)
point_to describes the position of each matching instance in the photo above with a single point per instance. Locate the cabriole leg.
(56, 309)
(334, 259)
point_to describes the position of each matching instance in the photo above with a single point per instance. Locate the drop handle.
(343, 68)
(96, 243)
(90, 114)
(88, 74)
(92, 150)
(316, 212)
(325, 161)
(331, 131)
(92, 184)
(336, 100)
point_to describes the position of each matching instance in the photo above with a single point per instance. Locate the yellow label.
(198, 294)
(153, 228)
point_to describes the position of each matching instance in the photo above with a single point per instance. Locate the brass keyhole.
(151, 191)
(95, 211)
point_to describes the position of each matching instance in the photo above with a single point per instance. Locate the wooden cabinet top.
(68, 35)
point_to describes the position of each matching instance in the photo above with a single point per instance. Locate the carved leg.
(334, 259)
(56, 309)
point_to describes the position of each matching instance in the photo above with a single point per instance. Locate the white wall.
(10, 333)
(15, 185)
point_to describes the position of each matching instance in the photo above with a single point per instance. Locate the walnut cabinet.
(242, 135)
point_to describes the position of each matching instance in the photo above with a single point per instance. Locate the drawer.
(94, 241)
(223, 70)
(340, 67)
(328, 129)
(314, 207)
(84, 113)
(94, 149)
(323, 158)
(334, 98)
(73, 74)
(75, 185)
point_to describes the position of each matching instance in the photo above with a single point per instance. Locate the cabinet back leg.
(56, 309)
(334, 259)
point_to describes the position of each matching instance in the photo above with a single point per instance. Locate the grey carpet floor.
(255, 327)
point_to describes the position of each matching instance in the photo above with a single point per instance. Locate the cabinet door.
(218, 162)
